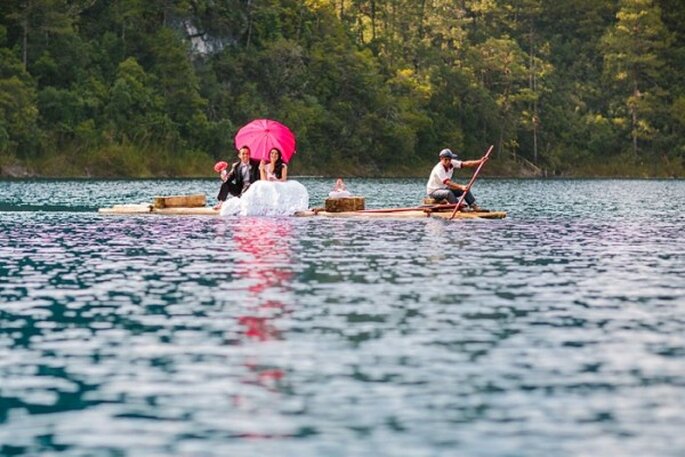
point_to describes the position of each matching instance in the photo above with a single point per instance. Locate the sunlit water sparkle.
(559, 330)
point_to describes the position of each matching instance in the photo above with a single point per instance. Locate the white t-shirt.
(439, 176)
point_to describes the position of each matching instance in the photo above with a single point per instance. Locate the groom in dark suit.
(238, 179)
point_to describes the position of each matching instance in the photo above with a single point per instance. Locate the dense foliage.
(141, 88)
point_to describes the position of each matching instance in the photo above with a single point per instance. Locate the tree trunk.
(505, 111)
(391, 29)
(533, 88)
(25, 37)
(373, 21)
(535, 133)
(633, 109)
(249, 23)
(634, 131)
(421, 32)
(422, 18)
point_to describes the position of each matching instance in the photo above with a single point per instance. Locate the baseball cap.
(447, 153)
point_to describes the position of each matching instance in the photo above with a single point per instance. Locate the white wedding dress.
(268, 198)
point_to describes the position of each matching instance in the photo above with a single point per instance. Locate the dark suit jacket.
(238, 177)
(235, 184)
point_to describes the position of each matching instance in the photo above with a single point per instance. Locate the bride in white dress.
(272, 195)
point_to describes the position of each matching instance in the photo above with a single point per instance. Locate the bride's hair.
(278, 166)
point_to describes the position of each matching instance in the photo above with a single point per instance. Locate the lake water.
(558, 331)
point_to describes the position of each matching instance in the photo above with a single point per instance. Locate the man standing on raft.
(440, 185)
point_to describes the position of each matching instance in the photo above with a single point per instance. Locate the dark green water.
(557, 331)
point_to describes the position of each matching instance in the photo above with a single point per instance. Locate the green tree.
(177, 81)
(18, 111)
(134, 109)
(633, 49)
(501, 67)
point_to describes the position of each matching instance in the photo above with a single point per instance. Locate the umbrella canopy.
(262, 135)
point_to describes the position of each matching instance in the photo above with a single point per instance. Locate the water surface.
(557, 331)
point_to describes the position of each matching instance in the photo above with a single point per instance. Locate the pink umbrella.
(262, 135)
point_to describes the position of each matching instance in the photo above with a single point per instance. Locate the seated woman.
(272, 195)
(275, 169)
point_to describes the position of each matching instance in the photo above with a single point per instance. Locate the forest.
(141, 88)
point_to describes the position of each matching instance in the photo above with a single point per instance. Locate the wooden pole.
(473, 179)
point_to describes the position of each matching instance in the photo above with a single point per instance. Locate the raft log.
(180, 201)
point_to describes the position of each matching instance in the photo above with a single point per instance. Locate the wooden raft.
(147, 208)
(191, 205)
(405, 214)
(174, 206)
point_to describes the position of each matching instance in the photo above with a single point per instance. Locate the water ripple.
(556, 331)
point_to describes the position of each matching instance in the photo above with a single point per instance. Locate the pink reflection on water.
(265, 260)
(265, 241)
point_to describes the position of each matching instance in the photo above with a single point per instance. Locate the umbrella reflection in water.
(264, 259)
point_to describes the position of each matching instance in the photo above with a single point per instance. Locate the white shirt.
(439, 176)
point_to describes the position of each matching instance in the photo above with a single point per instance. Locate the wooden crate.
(343, 204)
(180, 201)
